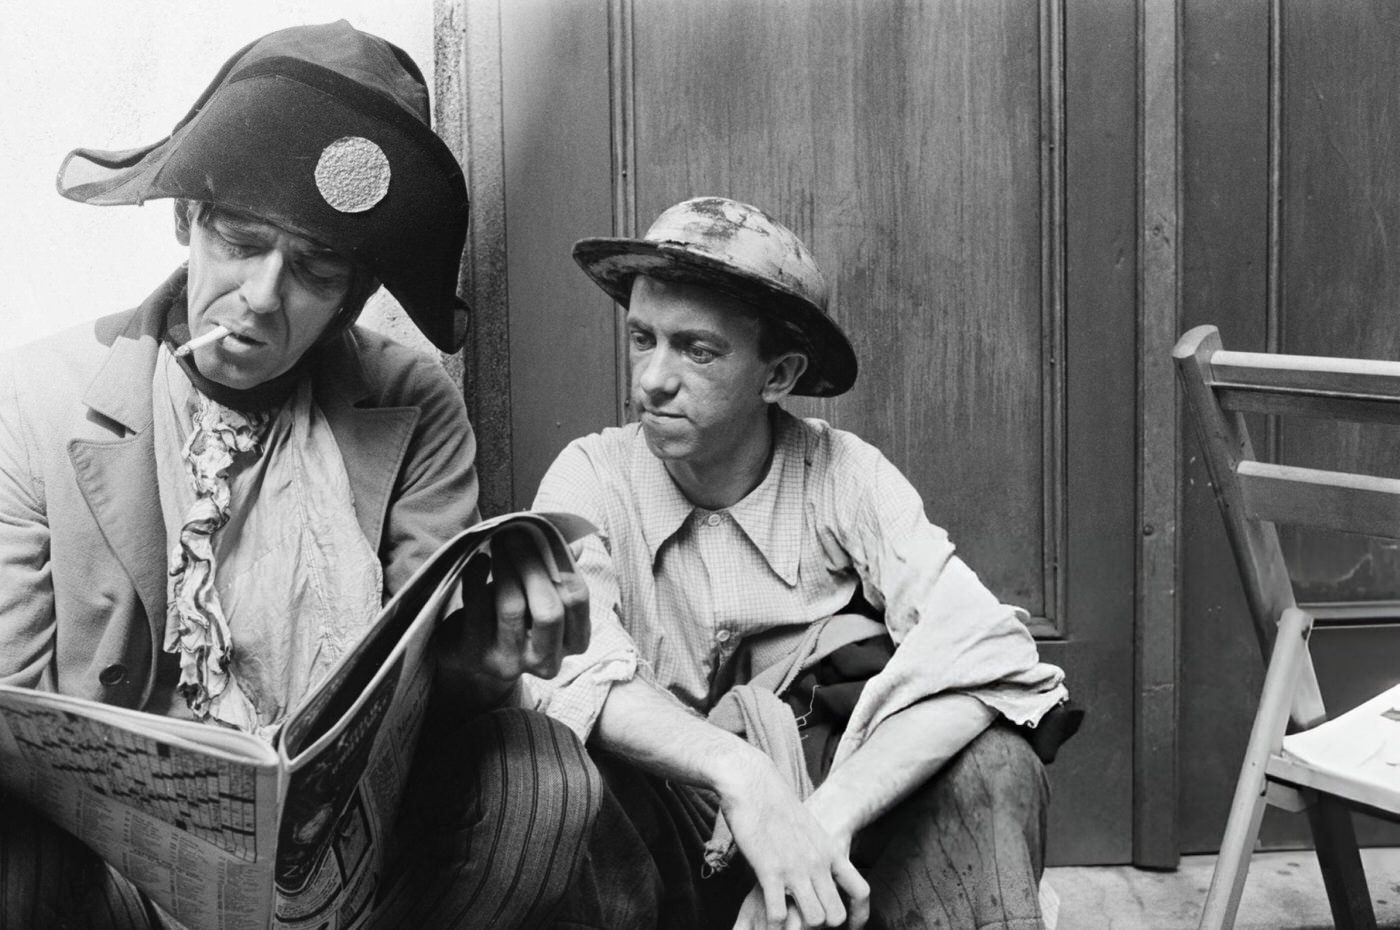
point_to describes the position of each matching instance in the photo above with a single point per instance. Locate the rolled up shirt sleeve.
(952, 633)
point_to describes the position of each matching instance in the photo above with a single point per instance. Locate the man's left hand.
(801, 866)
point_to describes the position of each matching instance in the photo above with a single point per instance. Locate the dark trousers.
(965, 851)
(493, 832)
(968, 848)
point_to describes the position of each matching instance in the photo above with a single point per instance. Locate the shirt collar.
(661, 505)
(770, 515)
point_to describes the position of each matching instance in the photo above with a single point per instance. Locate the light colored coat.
(82, 542)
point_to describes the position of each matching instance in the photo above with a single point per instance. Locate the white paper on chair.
(1362, 744)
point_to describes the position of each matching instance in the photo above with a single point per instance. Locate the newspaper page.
(1362, 744)
(189, 820)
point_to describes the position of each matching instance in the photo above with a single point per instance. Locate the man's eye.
(641, 340)
(700, 354)
(232, 245)
(324, 278)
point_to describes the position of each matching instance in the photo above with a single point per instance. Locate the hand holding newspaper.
(226, 831)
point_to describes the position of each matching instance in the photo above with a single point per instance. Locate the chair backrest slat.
(1356, 409)
(1307, 374)
(1330, 500)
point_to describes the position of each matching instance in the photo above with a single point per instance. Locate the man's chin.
(237, 377)
(663, 445)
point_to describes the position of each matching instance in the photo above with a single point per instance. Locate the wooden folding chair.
(1324, 767)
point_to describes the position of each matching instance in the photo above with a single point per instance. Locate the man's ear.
(783, 373)
(182, 221)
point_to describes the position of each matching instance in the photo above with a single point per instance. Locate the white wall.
(115, 74)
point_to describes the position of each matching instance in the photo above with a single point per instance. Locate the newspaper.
(226, 831)
(1362, 745)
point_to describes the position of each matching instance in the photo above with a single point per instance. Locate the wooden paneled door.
(966, 172)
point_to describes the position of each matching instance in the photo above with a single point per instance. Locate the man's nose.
(262, 286)
(656, 371)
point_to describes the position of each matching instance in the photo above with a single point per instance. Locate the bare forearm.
(657, 733)
(906, 750)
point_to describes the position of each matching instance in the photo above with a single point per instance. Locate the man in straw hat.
(268, 490)
(763, 575)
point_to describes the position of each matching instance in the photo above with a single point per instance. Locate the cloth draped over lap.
(798, 694)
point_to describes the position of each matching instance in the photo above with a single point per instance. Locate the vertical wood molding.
(622, 91)
(470, 118)
(1273, 321)
(1155, 842)
(1273, 282)
(1052, 302)
(448, 74)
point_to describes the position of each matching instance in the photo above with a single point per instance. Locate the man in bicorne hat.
(809, 708)
(204, 536)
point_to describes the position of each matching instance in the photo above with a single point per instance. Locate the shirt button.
(722, 636)
(712, 519)
(112, 674)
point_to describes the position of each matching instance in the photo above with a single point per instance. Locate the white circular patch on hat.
(352, 174)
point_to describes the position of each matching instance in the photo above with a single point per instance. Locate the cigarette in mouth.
(214, 335)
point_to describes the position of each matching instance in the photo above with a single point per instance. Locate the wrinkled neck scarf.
(270, 577)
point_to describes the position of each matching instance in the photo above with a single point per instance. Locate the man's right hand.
(522, 622)
(802, 870)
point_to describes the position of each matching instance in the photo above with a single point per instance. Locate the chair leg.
(1236, 848)
(1340, 861)
(1247, 807)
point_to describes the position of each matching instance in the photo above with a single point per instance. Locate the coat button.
(112, 675)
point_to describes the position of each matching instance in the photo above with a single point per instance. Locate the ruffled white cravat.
(197, 629)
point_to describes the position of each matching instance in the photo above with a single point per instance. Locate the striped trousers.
(492, 834)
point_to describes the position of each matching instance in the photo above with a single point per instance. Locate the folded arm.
(954, 635)
(789, 851)
(901, 754)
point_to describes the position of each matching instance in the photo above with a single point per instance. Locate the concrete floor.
(1284, 892)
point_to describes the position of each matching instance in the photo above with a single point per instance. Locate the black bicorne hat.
(325, 132)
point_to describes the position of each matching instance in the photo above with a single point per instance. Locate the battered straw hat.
(740, 250)
(324, 131)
